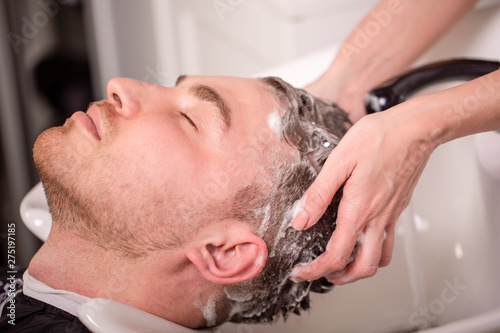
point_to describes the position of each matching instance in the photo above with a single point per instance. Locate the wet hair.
(312, 127)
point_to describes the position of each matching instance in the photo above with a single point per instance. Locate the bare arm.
(385, 43)
(470, 108)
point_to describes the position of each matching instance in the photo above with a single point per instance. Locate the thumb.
(319, 195)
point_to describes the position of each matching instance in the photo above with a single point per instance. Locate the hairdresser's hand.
(380, 160)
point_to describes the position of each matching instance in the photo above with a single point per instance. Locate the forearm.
(387, 41)
(469, 108)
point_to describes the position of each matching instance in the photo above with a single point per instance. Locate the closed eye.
(189, 120)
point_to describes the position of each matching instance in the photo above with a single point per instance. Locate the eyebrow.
(208, 94)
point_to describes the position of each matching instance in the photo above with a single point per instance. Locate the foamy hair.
(313, 127)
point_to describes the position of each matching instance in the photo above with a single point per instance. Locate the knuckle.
(318, 199)
(369, 271)
(329, 266)
(338, 264)
(342, 262)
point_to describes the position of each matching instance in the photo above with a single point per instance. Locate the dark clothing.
(31, 315)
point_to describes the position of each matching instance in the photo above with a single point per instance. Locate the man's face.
(152, 155)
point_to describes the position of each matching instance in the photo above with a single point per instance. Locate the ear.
(229, 257)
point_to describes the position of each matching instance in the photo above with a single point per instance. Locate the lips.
(87, 122)
(94, 115)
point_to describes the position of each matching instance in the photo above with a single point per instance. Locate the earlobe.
(230, 262)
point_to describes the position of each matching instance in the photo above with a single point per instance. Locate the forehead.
(253, 104)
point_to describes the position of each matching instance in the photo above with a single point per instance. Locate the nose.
(127, 96)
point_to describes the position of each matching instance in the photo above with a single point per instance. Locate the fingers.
(335, 258)
(366, 261)
(319, 195)
(374, 250)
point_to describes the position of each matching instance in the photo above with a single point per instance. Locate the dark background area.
(44, 78)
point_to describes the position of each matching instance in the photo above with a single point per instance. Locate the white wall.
(156, 40)
(243, 37)
(129, 38)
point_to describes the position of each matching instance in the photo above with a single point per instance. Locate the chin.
(58, 167)
(45, 149)
(53, 159)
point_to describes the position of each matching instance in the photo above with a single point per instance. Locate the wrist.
(345, 93)
(422, 122)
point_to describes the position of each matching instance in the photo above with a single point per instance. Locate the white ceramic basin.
(35, 212)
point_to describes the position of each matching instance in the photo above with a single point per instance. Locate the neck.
(155, 283)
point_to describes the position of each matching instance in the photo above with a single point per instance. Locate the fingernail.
(300, 221)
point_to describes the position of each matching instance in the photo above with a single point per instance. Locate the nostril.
(117, 99)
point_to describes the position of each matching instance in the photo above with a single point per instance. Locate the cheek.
(156, 155)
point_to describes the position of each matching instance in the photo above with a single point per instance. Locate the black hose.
(396, 90)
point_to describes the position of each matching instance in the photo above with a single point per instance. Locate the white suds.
(274, 122)
(238, 295)
(361, 237)
(209, 310)
(265, 222)
(297, 206)
(284, 225)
